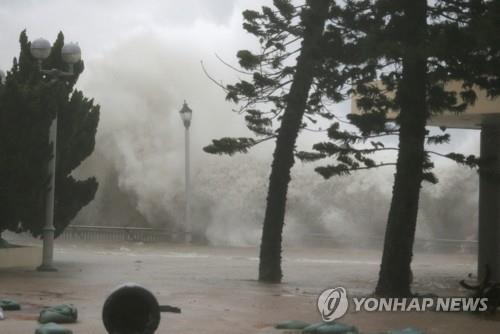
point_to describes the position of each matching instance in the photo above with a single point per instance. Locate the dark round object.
(131, 309)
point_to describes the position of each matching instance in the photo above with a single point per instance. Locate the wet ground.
(216, 288)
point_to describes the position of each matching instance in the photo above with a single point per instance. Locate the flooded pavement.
(216, 287)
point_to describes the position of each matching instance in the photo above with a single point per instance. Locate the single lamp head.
(71, 53)
(186, 114)
(40, 49)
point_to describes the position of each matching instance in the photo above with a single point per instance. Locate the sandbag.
(336, 328)
(52, 328)
(61, 314)
(9, 305)
(311, 329)
(408, 330)
(291, 324)
(330, 328)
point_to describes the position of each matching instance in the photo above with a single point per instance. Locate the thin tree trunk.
(395, 271)
(283, 157)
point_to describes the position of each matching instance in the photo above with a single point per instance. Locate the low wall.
(100, 233)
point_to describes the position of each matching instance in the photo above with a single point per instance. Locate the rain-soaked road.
(217, 291)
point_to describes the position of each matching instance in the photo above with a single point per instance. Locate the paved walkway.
(217, 291)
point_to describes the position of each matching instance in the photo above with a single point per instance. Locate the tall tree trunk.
(283, 157)
(395, 271)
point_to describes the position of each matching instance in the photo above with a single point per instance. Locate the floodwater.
(216, 288)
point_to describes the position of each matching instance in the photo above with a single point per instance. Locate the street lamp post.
(186, 115)
(71, 54)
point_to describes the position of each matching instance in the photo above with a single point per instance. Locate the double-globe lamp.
(71, 54)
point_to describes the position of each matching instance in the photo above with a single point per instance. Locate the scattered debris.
(170, 309)
(61, 314)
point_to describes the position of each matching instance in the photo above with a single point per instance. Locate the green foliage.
(368, 37)
(438, 139)
(309, 156)
(258, 123)
(370, 123)
(248, 60)
(362, 56)
(230, 146)
(28, 104)
(470, 160)
(262, 94)
(333, 170)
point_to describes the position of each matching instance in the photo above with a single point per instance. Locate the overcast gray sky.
(99, 25)
(149, 30)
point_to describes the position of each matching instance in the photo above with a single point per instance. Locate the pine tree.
(28, 103)
(399, 55)
(290, 93)
(396, 56)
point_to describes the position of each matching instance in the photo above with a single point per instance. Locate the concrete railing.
(145, 234)
(109, 233)
(420, 244)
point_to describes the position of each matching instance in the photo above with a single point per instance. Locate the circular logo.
(333, 304)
